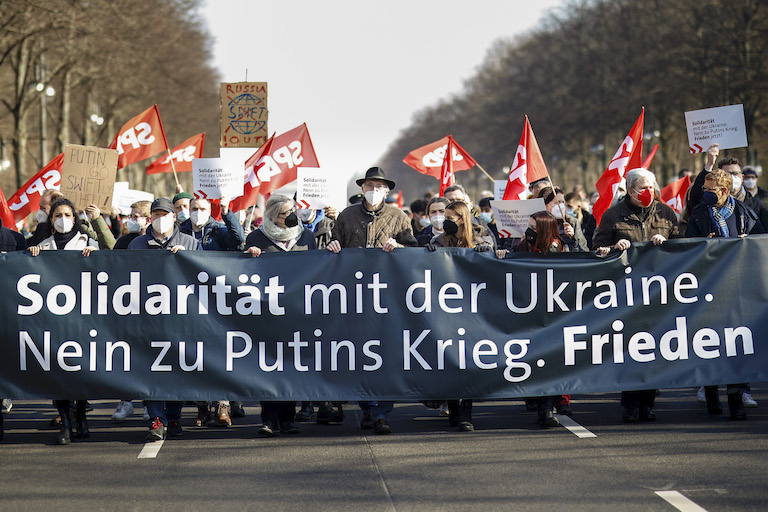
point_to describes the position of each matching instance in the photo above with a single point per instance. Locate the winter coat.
(362, 228)
(621, 221)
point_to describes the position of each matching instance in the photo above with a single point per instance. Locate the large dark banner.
(404, 325)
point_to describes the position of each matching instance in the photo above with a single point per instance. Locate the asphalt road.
(687, 457)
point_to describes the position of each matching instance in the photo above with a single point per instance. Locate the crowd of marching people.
(724, 201)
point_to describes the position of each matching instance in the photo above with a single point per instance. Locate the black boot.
(81, 422)
(714, 408)
(465, 416)
(546, 418)
(65, 434)
(735, 406)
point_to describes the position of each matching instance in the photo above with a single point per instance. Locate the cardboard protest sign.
(720, 125)
(125, 197)
(214, 178)
(243, 114)
(316, 189)
(512, 215)
(88, 176)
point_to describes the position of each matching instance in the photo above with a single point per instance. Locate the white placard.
(317, 189)
(125, 197)
(512, 216)
(499, 186)
(214, 178)
(720, 125)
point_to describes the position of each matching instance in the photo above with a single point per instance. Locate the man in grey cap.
(373, 224)
(164, 234)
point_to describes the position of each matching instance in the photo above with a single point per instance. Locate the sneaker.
(327, 414)
(564, 409)
(746, 400)
(443, 410)
(122, 411)
(174, 428)
(236, 409)
(700, 396)
(222, 416)
(288, 427)
(8, 405)
(466, 426)
(156, 431)
(305, 414)
(146, 415)
(382, 427)
(267, 430)
(367, 422)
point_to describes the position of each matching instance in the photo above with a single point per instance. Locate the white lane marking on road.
(679, 501)
(574, 427)
(150, 450)
(376, 467)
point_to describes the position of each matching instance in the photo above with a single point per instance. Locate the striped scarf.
(720, 215)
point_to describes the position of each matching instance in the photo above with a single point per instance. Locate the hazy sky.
(357, 71)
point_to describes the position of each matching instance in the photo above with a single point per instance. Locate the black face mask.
(450, 227)
(530, 236)
(292, 220)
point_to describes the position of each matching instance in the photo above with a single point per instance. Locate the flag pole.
(484, 172)
(552, 186)
(173, 166)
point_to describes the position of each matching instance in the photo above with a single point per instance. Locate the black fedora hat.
(376, 173)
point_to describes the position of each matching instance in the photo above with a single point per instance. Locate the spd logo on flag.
(27, 199)
(182, 156)
(140, 138)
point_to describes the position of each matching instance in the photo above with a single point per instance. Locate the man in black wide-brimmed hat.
(373, 224)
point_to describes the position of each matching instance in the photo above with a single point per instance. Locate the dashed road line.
(679, 501)
(574, 427)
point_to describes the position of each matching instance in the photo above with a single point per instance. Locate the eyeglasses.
(707, 189)
(288, 212)
(371, 186)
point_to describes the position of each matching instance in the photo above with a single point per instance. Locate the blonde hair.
(721, 177)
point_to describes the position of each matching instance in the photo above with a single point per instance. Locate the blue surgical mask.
(487, 217)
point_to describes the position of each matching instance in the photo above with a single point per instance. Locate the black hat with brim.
(376, 173)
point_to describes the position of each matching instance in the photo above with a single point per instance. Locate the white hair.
(638, 174)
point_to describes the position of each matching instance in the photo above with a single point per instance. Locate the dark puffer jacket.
(622, 221)
(359, 227)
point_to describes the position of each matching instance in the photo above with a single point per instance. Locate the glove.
(431, 247)
(482, 247)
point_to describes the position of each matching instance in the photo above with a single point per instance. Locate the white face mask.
(41, 216)
(750, 183)
(182, 215)
(424, 222)
(437, 221)
(375, 197)
(64, 224)
(199, 217)
(557, 212)
(134, 226)
(736, 184)
(162, 225)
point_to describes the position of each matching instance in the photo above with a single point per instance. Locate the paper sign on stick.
(243, 114)
(317, 189)
(512, 216)
(720, 125)
(125, 197)
(214, 178)
(88, 176)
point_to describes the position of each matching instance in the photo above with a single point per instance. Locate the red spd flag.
(181, 155)
(446, 171)
(275, 164)
(527, 167)
(27, 199)
(429, 159)
(140, 138)
(673, 195)
(628, 156)
(6, 214)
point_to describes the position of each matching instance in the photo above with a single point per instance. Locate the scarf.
(278, 234)
(720, 215)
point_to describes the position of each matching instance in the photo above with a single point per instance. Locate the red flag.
(6, 214)
(140, 138)
(275, 164)
(527, 167)
(628, 156)
(400, 202)
(446, 170)
(429, 159)
(647, 162)
(182, 156)
(27, 199)
(673, 195)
